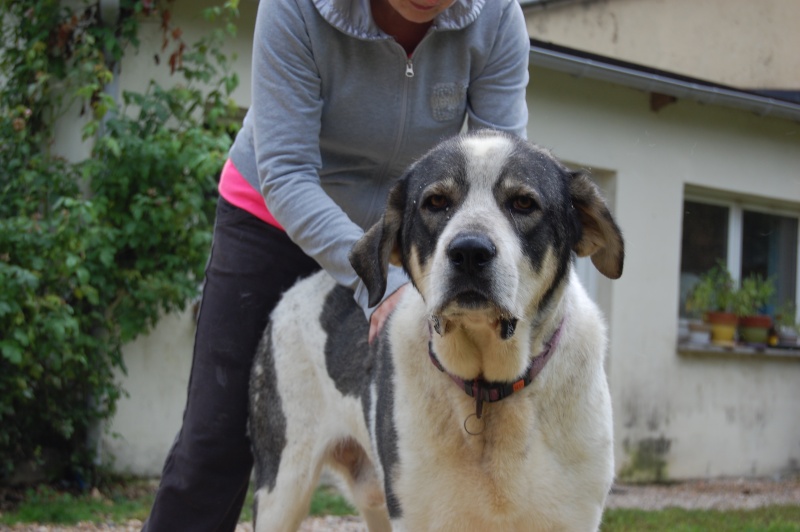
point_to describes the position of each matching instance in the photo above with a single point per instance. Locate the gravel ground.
(703, 494)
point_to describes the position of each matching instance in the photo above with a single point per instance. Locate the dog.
(483, 404)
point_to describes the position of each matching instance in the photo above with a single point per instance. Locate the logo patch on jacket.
(448, 101)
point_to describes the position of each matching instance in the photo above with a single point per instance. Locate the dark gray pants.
(206, 474)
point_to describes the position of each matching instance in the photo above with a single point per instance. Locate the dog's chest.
(482, 479)
(479, 479)
(519, 473)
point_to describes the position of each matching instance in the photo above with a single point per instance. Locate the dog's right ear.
(371, 255)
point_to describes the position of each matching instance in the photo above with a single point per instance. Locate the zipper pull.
(409, 68)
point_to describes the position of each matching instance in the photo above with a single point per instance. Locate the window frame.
(736, 207)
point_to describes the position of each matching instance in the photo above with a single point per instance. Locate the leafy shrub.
(93, 252)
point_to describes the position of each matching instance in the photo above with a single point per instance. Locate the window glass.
(705, 241)
(769, 249)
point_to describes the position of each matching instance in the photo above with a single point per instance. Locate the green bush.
(93, 252)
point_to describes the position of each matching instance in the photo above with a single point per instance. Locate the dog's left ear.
(380, 245)
(600, 236)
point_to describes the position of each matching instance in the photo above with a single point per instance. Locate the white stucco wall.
(139, 68)
(149, 416)
(744, 43)
(711, 416)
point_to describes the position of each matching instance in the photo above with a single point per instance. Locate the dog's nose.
(470, 253)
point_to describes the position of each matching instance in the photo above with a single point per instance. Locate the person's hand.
(382, 313)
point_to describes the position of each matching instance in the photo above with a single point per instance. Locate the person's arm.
(287, 121)
(496, 98)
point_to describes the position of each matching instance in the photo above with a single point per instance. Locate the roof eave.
(543, 4)
(577, 65)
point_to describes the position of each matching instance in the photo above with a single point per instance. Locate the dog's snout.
(470, 253)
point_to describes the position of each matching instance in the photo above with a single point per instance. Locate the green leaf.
(11, 352)
(22, 337)
(83, 275)
(72, 261)
(113, 146)
(5, 308)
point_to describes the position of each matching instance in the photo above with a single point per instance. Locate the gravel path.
(704, 494)
(707, 494)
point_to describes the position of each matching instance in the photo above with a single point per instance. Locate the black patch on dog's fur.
(448, 165)
(267, 422)
(353, 364)
(553, 229)
(385, 430)
(347, 355)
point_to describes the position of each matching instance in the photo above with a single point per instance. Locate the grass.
(327, 501)
(121, 502)
(125, 501)
(44, 504)
(768, 519)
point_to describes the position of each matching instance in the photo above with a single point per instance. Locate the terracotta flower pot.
(755, 329)
(723, 327)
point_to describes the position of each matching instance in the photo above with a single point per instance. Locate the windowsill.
(739, 350)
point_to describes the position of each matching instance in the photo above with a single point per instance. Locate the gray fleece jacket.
(339, 111)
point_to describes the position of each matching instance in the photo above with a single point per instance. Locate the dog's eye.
(522, 204)
(437, 202)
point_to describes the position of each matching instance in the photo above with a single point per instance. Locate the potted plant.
(713, 296)
(785, 324)
(749, 303)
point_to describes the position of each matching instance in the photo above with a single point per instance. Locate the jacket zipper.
(409, 73)
(403, 109)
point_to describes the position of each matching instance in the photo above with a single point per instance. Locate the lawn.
(121, 502)
(771, 519)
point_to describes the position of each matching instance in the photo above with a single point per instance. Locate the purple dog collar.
(490, 392)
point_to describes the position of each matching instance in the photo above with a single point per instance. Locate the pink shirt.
(237, 191)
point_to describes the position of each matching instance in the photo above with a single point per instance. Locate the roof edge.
(582, 64)
(535, 5)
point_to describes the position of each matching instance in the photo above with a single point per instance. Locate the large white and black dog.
(484, 403)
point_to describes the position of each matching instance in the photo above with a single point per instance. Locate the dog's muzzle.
(470, 257)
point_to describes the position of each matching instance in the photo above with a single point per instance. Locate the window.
(769, 249)
(750, 239)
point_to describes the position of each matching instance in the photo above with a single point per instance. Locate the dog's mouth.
(474, 306)
(472, 300)
(468, 300)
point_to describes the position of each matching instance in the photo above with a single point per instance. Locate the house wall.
(743, 43)
(139, 68)
(149, 415)
(693, 416)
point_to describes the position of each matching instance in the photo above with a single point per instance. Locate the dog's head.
(485, 226)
